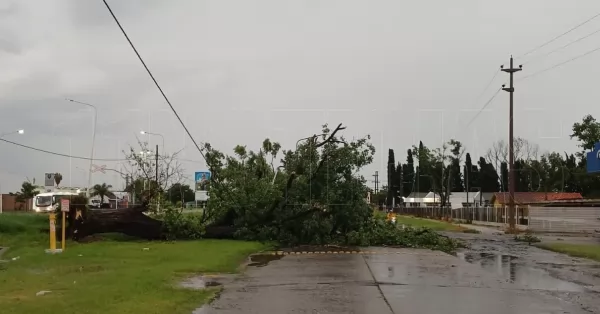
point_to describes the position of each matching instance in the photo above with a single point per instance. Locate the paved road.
(388, 281)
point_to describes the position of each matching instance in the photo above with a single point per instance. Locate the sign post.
(64, 208)
(202, 180)
(52, 232)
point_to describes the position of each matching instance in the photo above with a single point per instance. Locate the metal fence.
(565, 219)
(536, 219)
(489, 214)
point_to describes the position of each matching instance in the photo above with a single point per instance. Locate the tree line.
(443, 170)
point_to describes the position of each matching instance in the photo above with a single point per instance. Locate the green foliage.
(587, 133)
(528, 237)
(408, 174)
(179, 194)
(315, 197)
(178, 226)
(378, 231)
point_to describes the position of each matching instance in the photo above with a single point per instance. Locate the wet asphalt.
(396, 281)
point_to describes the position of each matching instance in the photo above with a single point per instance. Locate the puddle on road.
(204, 282)
(529, 277)
(261, 260)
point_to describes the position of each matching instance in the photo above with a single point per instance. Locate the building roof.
(534, 197)
(417, 194)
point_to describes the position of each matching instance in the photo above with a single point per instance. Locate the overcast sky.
(240, 71)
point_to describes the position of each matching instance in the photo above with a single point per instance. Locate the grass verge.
(591, 251)
(108, 276)
(428, 223)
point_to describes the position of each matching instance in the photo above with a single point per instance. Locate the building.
(421, 199)
(501, 199)
(10, 203)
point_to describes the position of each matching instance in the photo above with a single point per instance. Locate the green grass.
(428, 223)
(108, 276)
(591, 251)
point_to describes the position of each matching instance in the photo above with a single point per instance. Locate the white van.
(47, 202)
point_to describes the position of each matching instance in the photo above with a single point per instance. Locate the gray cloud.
(239, 71)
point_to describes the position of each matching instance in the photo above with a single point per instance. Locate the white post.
(70, 164)
(93, 142)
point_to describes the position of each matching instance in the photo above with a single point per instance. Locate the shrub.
(177, 225)
(378, 232)
(527, 237)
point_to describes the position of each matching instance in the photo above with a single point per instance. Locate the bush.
(528, 237)
(178, 226)
(379, 232)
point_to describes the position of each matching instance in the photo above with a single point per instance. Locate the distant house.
(481, 199)
(421, 199)
(501, 199)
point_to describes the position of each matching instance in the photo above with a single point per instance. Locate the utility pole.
(157, 189)
(156, 166)
(511, 156)
(376, 175)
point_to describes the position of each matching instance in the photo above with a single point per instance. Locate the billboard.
(202, 179)
(49, 179)
(593, 159)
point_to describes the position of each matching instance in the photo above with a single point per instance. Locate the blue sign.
(202, 178)
(593, 160)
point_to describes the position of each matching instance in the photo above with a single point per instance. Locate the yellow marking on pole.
(64, 227)
(52, 218)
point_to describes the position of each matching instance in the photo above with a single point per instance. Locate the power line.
(488, 85)
(78, 157)
(559, 36)
(563, 47)
(484, 106)
(58, 154)
(153, 79)
(559, 64)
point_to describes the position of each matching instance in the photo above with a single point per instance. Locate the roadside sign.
(202, 178)
(593, 160)
(99, 168)
(49, 179)
(64, 205)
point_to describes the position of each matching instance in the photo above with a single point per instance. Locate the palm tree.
(101, 190)
(57, 178)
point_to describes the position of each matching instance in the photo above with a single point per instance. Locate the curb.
(282, 253)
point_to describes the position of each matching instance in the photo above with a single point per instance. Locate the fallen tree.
(313, 194)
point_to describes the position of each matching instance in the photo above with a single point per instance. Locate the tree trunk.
(129, 221)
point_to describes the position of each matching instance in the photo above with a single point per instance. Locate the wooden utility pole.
(511, 161)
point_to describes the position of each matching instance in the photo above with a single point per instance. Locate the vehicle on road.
(47, 202)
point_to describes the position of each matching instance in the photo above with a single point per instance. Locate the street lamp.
(21, 131)
(93, 141)
(156, 134)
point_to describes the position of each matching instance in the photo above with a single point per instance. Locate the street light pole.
(156, 134)
(87, 193)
